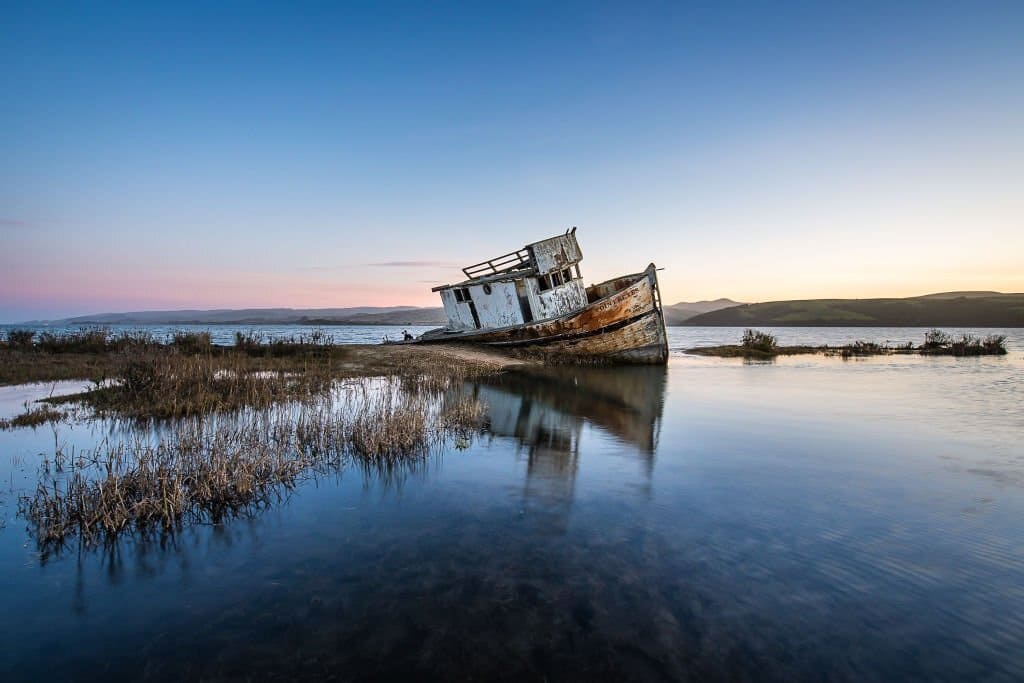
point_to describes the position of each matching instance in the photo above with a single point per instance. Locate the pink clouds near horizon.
(84, 292)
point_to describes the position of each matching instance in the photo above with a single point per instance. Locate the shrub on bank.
(935, 339)
(94, 340)
(755, 340)
(20, 339)
(192, 342)
(937, 342)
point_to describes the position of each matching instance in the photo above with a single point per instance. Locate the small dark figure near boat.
(406, 336)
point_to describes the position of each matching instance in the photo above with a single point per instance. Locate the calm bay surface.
(805, 519)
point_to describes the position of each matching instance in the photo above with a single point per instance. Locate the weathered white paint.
(555, 253)
(500, 308)
(558, 301)
(459, 315)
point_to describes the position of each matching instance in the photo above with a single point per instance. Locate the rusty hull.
(626, 325)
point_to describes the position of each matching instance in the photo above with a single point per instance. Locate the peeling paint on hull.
(627, 325)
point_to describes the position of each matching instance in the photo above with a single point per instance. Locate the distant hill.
(361, 315)
(959, 295)
(677, 314)
(411, 316)
(946, 309)
(366, 315)
(949, 309)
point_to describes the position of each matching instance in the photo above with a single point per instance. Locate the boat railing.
(502, 264)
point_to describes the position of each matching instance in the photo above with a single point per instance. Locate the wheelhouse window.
(543, 284)
(556, 279)
(567, 275)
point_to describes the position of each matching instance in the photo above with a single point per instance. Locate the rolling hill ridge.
(949, 309)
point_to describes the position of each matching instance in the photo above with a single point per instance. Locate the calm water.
(680, 338)
(809, 519)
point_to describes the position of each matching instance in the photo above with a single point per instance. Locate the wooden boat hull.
(623, 322)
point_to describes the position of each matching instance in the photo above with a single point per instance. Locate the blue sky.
(184, 155)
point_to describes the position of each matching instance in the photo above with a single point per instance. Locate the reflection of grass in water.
(33, 417)
(208, 469)
(165, 384)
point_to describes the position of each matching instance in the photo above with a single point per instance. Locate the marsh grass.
(192, 342)
(859, 349)
(759, 345)
(34, 417)
(166, 384)
(757, 341)
(20, 339)
(169, 385)
(95, 340)
(98, 355)
(225, 431)
(389, 424)
(209, 469)
(969, 345)
(464, 414)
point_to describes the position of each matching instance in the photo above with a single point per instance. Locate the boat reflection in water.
(547, 410)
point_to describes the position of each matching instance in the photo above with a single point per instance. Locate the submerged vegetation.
(214, 432)
(757, 344)
(206, 469)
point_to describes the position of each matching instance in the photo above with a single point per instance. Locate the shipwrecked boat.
(534, 298)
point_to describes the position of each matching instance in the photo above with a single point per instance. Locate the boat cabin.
(540, 281)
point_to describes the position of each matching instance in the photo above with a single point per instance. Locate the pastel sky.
(215, 155)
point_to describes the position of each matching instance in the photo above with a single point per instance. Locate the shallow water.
(680, 338)
(807, 519)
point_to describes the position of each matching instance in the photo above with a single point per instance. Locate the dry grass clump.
(168, 385)
(758, 341)
(317, 343)
(936, 343)
(192, 342)
(205, 470)
(389, 423)
(198, 473)
(20, 339)
(33, 417)
(95, 340)
(24, 365)
(464, 415)
(862, 348)
(97, 354)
